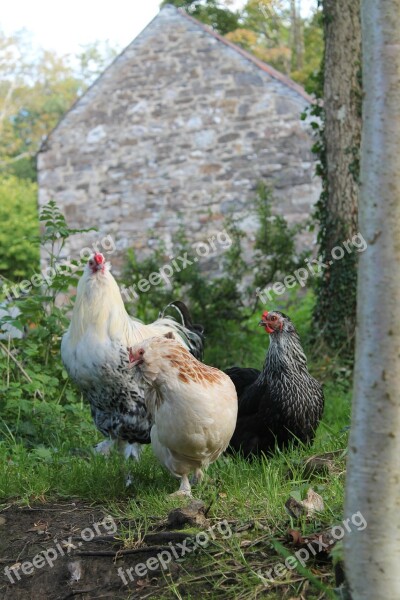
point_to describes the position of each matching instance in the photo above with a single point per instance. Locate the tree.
(275, 32)
(270, 19)
(94, 59)
(264, 31)
(338, 206)
(36, 89)
(272, 30)
(13, 69)
(373, 481)
(211, 12)
(34, 94)
(313, 42)
(297, 38)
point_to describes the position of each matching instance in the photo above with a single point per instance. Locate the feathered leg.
(130, 450)
(105, 447)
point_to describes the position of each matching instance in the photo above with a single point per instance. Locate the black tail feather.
(198, 339)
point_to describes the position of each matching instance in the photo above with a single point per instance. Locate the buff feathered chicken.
(194, 407)
(282, 403)
(95, 352)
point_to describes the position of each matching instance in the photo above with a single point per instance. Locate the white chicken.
(95, 352)
(194, 407)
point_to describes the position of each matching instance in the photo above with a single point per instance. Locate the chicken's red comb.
(99, 258)
(265, 314)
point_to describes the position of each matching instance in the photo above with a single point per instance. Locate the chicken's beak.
(135, 358)
(266, 326)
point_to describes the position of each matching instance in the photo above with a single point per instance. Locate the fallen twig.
(77, 593)
(142, 550)
(167, 536)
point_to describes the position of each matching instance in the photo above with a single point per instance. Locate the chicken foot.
(184, 488)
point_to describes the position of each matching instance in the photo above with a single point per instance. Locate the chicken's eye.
(91, 263)
(273, 318)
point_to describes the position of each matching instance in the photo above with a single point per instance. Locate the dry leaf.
(322, 542)
(312, 504)
(296, 536)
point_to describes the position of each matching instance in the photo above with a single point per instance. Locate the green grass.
(66, 470)
(60, 464)
(239, 491)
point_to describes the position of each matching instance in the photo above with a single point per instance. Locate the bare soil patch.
(83, 557)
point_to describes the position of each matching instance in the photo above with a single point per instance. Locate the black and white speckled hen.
(283, 402)
(96, 353)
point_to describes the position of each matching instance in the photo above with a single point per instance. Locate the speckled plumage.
(280, 404)
(117, 402)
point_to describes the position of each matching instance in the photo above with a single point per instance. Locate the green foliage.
(18, 225)
(274, 32)
(216, 304)
(32, 101)
(222, 304)
(313, 53)
(36, 395)
(211, 12)
(94, 59)
(55, 233)
(275, 252)
(37, 87)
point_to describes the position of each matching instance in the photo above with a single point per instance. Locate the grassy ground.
(250, 497)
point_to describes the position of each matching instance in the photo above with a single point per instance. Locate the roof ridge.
(259, 63)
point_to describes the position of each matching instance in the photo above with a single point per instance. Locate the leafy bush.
(18, 226)
(36, 395)
(222, 304)
(215, 303)
(275, 252)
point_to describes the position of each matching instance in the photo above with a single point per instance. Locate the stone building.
(181, 126)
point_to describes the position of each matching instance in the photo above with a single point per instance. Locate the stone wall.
(181, 126)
